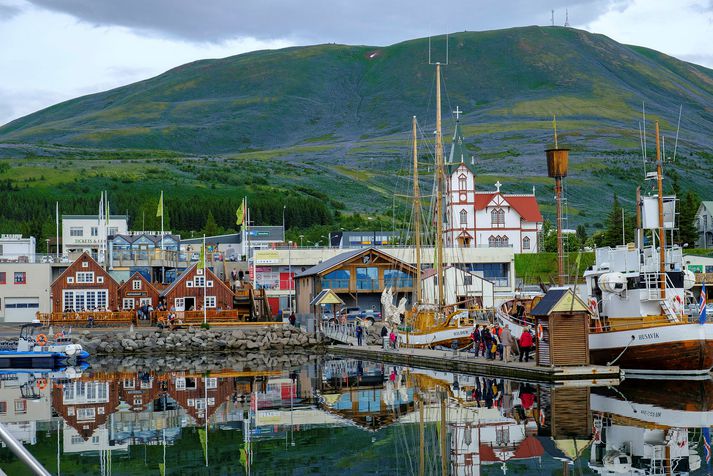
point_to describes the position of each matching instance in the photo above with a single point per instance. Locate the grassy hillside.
(334, 119)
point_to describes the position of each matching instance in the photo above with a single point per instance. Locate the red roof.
(525, 205)
(530, 447)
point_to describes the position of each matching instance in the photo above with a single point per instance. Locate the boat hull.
(443, 337)
(677, 349)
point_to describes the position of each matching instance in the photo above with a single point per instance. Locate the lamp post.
(301, 237)
(373, 240)
(284, 207)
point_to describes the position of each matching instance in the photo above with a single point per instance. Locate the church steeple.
(457, 154)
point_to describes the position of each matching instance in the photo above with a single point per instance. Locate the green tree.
(211, 228)
(687, 229)
(582, 233)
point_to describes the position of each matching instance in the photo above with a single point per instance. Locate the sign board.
(266, 257)
(650, 213)
(136, 293)
(695, 268)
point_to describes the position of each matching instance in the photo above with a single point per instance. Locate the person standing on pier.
(508, 341)
(359, 333)
(525, 344)
(475, 337)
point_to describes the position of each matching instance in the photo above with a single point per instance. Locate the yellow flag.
(240, 214)
(203, 439)
(159, 211)
(201, 258)
(162, 469)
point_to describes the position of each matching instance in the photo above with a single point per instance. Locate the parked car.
(47, 259)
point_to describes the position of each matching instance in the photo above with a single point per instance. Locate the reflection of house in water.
(85, 405)
(22, 404)
(100, 440)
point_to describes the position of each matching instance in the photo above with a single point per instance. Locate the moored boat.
(31, 352)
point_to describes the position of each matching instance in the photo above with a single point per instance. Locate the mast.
(662, 234)
(438, 250)
(416, 215)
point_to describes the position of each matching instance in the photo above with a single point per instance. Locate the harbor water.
(332, 415)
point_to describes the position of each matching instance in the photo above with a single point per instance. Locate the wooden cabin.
(84, 285)
(136, 292)
(358, 277)
(562, 329)
(85, 405)
(187, 292)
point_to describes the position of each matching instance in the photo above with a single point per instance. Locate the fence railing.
(87, 318)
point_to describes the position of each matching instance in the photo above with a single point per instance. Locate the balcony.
(366, 284)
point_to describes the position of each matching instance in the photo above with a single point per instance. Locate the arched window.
(492, 241)
(497, 217)
(462, 182)
(526, 243)
(464, 217)
(504, 241)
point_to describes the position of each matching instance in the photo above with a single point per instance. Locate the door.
(21, 309)
(190, 303)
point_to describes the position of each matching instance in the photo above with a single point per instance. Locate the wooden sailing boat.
(428, 325)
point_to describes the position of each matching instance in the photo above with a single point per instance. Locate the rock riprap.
(144, 341)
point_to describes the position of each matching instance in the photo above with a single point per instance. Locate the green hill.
(335, 118)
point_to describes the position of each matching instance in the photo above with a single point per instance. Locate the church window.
(463, 217)
(504, 241)
(492, 241)
(462, 182)
(497, 217)
(526, 243)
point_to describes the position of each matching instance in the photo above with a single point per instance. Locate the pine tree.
(612, 235)
(211, 228)
(687, 229)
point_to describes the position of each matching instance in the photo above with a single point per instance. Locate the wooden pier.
(464, 362)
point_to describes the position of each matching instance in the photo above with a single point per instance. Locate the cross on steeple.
(497, 186)
(457, 112)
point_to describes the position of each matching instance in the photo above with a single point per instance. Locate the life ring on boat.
(540, 332)
(41, 339)
(677, 304)
(542, 417)
(42, 383)
(58, 335)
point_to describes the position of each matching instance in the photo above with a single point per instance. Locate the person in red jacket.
(525, 344)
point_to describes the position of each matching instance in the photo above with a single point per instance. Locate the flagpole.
(57, 220)
(205, 278)
(205, 386)
(163, 268)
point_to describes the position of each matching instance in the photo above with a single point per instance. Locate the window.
(199, 281)
(85, 299)
(136, 284)
(77, 439)
(467, 280)
(211, 382)
(209, 301)
(491, 241)
(463, 217)
(95, 439)
(20, 406)
(113, 230)
(180, 383)
(85, 414)
(504, 241)
(138, 401)
(94, 231)
(76, 231)
(1, 250)
(3, 408)
(209, 284)
(70, 279)
(100, 279)
(85, 277)
(189, 284)
(20, 277)
(85, 264)
(145, 301)
(179, 304)
(526, 243)
(462, 182)
(497, 217)
(129, 383)
(2, 277)
(127, 303)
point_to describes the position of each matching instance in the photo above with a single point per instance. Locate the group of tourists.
(494, 341)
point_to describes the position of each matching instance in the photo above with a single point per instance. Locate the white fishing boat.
(32, 351)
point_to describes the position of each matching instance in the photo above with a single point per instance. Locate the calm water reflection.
(350, 417)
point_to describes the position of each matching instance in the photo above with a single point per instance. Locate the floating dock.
(463, 362)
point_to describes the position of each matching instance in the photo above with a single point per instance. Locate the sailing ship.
(436, 323)
(637, 295)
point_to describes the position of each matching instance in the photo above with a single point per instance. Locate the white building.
(24, 290)
(486, 218)
(84, 232)
(704, 223)
(459, 287)
(18, 249)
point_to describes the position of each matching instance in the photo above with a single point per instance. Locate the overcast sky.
(53, 50)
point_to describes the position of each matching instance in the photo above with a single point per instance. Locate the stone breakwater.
(155, 341)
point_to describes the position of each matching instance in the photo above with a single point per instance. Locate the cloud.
(342, 21)
(8, 10)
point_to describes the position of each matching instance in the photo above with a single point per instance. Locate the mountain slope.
(336, 93)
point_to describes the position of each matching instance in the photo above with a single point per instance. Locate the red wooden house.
(187, 292)
(136, 292)
(84, 285)
(85, 404)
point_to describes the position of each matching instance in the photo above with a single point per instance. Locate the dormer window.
(497, 217)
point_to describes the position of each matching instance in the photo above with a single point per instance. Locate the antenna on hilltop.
(552, 20)
(429, 53)
(566, 18)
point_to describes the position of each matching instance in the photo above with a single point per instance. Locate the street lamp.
(284, 207)
(373, 241)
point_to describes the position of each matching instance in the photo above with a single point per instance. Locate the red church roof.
(525, 205)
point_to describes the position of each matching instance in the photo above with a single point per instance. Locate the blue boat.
(32, 351)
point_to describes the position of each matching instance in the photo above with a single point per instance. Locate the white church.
(492, 218)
